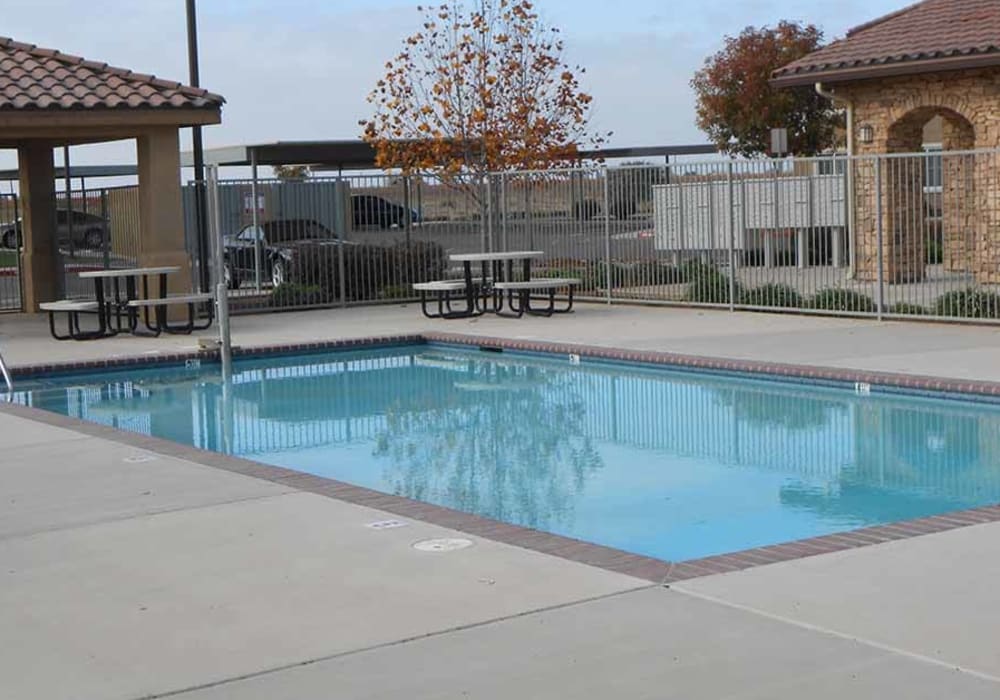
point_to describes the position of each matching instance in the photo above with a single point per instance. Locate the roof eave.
(887, 70)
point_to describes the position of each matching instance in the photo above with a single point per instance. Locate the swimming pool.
(671, 464)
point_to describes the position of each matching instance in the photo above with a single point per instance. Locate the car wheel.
(279, 272)
(232, 279)
(93, 239)
(10, 240)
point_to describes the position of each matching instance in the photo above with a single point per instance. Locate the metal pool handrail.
(6, 378)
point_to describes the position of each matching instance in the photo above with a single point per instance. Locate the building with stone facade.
(928, 72)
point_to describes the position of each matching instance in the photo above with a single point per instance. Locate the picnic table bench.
(118, 309)
(495, 287)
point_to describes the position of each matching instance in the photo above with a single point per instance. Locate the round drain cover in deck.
(444, 544)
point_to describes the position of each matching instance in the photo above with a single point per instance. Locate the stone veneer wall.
(897, 108)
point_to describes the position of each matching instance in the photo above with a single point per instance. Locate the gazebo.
(49, 100)
(932, 64)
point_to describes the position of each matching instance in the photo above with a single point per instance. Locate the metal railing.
(888, 236)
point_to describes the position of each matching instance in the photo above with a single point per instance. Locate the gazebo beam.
(28, 122)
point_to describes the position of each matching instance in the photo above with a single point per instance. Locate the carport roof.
(38, 79)
(358, 155)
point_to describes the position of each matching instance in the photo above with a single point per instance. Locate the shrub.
(369, 269)
(835, 299)
(420, 261)
(590, 275)
(706, 284)
(905, 308)
(968, 303)
(636, 274)
(401, 291)
(291, 294)
(773, 295)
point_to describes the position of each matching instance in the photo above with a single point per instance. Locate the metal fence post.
(221, 289)
(879, 237)
(19, 255)
(732, 236)
(342, 201)
(489, 214)
(255, 220)
(106, 229)
(503, 211)
(607, 236)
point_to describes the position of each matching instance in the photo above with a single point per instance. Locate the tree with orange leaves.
(476, 91)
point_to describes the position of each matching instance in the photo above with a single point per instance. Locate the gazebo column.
(161, 217)
(40, 265)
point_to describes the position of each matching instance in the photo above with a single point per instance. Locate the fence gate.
(10, 259)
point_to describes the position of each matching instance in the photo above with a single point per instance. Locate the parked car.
(280, 241)
(371, 211)
(89, 230)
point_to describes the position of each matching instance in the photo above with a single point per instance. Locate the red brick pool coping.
(648, 568)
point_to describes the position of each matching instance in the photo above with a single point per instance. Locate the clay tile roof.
(933, 35)
(32, 78)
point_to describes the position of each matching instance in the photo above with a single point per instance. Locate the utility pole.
(204, 273)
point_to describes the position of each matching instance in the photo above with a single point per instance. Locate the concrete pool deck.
(129, 573)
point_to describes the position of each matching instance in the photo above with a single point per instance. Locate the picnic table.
(494, 267)
(495, 285)
(124, 290)
(119, 310)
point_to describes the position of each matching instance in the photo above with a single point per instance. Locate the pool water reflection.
(675, 465)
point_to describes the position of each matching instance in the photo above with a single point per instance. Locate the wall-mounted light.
(866, 133)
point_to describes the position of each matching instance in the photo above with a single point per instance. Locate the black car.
(372, 211)
(88, 231)
(280, 242)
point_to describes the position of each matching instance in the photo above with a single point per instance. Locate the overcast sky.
(300, 69)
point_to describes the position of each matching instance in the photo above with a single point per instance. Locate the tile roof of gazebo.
(37, 79)
(930, 36)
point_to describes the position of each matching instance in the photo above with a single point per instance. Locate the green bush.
(905, 308)
(369, 270)
(588, 274)
(834, 299)
(291, 294)
(773, 295)
(636, 274)
(968, 303)
(594, 275)
(706, 284)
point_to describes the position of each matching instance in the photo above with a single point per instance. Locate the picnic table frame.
(495, 266)
(118, 304)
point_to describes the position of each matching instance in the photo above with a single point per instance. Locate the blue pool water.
(675, 465)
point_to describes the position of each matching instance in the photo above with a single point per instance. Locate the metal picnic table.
(498, 267)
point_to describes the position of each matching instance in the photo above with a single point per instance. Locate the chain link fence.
(890, 236)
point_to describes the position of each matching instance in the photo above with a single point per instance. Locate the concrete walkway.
(947, 350)
(129, 574)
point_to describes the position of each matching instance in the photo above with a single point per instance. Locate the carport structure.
(49, 100)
